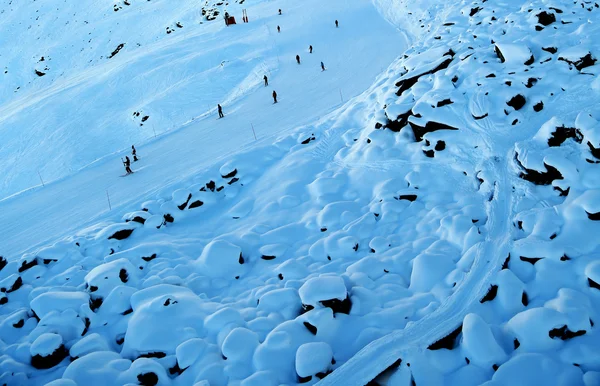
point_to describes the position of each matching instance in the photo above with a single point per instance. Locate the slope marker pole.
(39, 175)
(108, 197)
(341, 97)
(253, 132)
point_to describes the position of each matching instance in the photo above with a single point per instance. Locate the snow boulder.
(592, 272)
(105, 277)
(532, 328)
(239, 345)
(51, 301)
(221, 259)
(325, 291)
(536, 369)
(47, 351)
(479, 344)
(89, 344)
(313, 359)
(97, 369)
(514, 54)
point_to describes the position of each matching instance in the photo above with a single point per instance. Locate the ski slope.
(431, 221)
(190, 137)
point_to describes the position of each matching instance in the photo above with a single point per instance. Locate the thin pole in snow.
(253, 132)
(108, 198)
(153, 129)
(341, 96)
(39, 175)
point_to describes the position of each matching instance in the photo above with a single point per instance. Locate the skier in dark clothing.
(322, 66)
(298, 59)
(220, 111)
(134, 153)
(280, 11)
(336, 24)
(278, 29)
(310, 49)
(266, 80)
(127, 164)
(274, 97)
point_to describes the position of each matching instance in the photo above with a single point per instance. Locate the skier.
(322, 66)
(280, 11)
(220, 111)
(266, 80)
(278, 29)
(127, 164)
(298, 59)
(336, 24)
(310, 49)
(134, 153)
(274, 97)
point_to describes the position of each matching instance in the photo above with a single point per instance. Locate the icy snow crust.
(434, 230)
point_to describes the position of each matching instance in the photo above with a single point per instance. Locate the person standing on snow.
(280, 11)
(274, 97)
(127, 164)
(278, 29)
(298, 59)
(266, 80)
(336, 24)
(322, 66)
(221, 115)
(134, 153)
(310, 49)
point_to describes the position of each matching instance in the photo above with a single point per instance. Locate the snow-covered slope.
(439, 228)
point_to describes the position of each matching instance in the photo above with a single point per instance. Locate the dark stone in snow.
(409, 82)
(505, 264)
(47, 362)
(3, 300)
(595, 151)
(39, 73)
(429, 153)
(116, 51)
(3, 262)
(149, 258)
(304, 379)
(341, 306)
(19, 324)
(545, 18)
(16, 285)
(311, 328)
(490, 295)
(552, 50)
(409, 197)
(122, 234)
(474, 11)
(123, 275)
(530, 260)
(155, 354)
(430, 126)
(516, 343)
(593, 284)
(230, 175)
(211, 185)
(531, 82)
(148, 379)
(397, 124)
(196, 204)
(95, 303)
(168, 218)
(516, 102)
(539, 178)
(524, 299)
(267, 257)
(138, 219)
(593, 216)
(184, 205)
(444, 102)
(446, 342)
(538, 107)
(440, 145)
(561, 134)
(582, 63)
(27, 264)
(564, 333)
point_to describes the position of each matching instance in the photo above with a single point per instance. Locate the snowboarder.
(322, 66)
(127, 164)
(220, 111)
(266, 80)
(274, 97)
(134, 153)
(310, 49)
(298, 59)
(278, 29)
(336, 24)
(280, 11)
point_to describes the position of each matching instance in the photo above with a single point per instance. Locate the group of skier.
(127, 161)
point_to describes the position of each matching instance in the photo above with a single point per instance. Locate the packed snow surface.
(432, 223)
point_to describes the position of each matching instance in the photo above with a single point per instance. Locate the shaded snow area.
(441, 228)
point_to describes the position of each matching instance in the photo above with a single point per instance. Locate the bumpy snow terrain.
(439, 228)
